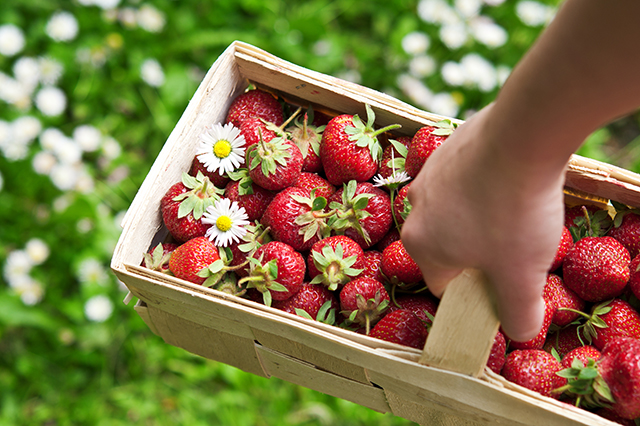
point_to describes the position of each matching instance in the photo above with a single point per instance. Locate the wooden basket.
(444, 384)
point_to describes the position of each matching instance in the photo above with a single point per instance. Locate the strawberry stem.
(384, 129)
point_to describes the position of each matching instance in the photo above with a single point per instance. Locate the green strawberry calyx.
(351, 211)
(621, 211)
(444, 128)
(586, 384)
(326, 314)
(365, 136)
(157, 260)
(335, 269)
(256, 236)
(215, 272)
(315, 221)
(305, 135)
(593, 320)
(202, 194)
(591, 224)
(268, 155)
(263, 278)
(368, 311)
(245, 183)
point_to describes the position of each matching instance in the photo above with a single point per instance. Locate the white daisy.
(62, 26)
(37, 250)
(27, 71)
(12, 40)
(50, 70)
(51, 101)
(150, 19)
(221, 148)
(415, 43)
(152, 73)
(98, 308)
(87, 137)
(228, 220)
(392, 181)
(43, 162)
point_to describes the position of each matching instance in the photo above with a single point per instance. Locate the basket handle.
(464, 327)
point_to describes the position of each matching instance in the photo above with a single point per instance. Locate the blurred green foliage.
(70, 352)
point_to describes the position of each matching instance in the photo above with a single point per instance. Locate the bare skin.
(491, 196)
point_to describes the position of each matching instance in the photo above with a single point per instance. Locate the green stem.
(384, 129)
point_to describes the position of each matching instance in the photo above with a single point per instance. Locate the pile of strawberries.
(302, 211)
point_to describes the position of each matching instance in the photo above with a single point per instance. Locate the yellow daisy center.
(222, 148)
(223, 223)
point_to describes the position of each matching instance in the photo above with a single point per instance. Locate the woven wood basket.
(446, 383)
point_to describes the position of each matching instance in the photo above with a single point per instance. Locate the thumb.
(437, 278)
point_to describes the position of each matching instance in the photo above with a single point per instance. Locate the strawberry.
(183, 205)
(424, 142)
(276, 270)
(191, 257)
(364, 301)
(363, 213)
(256, 236)
(393, 156)
(311, 181)
(312, 302)
(626, 228)
(564, 340)
(557, 293)
(157, 258)
(582, 353)
(253, 198)
(307, 137)
(255, 103)
(587, 221)
(219, 180)
(566, 242)
(255, 129)
(609, 414)
(372, 263)
(296, 218)
(401, 205)
(612, 381)
(402, 327)
(335, 260)
(349, 149)
(400, 268)
(538, 341)
(634, 276)
(534, 369)
(423, 305)
(596, 268)
(390, 237)
(610, 320)
(274, 164)
(498, 354)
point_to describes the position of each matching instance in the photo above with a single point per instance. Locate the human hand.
(474, 206)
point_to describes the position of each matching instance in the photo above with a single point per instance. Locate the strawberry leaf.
(303, 313)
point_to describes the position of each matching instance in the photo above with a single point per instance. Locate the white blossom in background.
(487, 32)
(30, 290)
(127, 17)
(84, 183)
(416, 43)
(37, 250)
(26, 71)
(63, 176)
(111, 148)
(453, 73)
(436, 12)
(98, 308)
(87, 137)
(50, 70)
(50, 138)
(62, 202)
(416, 90)
(13, 92)
(17, 264)
(480, 72)
(494, 2)
(106, 4)
(152, 73)
(12, 40)
(444, 104)
(321, 48)
(534, 14)
(502, 73)
(454, 35)
(43, 162)
(26, 128)
(91, 270)
(468, 8)
(150, 19)
(68, 152)
(51, 101)
(422, 66)
(350, 75)
(62, 26)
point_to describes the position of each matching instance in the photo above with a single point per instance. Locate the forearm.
(581, 74)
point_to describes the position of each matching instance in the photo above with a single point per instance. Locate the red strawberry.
(400, 268)
(372, 263)
(363, 213)
(157, 258)
(634, 276)
(334, 261)
(401, 205)
(538, 341)
(573, 213)
(219, 180)
(565, 340)
(313, 302)
(393, 156)
(498, 354)
(390, 237)
(534, 369)
(255, 103)
(296, 218)
(609, 414)
(307, 137)
(402, 327)
(364, 301)
(582, 353)
(274, 165)
(557, 293)
(610, 320)
(256, 236)
(191, 257)
(424, 306)
(587, 221)
(276, 270)
(349, 148)
(424, 142)
(626, 228)
(566, 242)
(183, 205)
(311, 181)
(596, 268)
(253, 198)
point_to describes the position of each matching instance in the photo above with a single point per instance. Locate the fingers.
(438, 278)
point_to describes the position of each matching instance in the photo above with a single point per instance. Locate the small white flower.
(63, 176)
(85, 183)
(27, 71)
(228, 222)
(18, 262)
(84, 225)
(480, 72)
(494, 2)
(415, 43)
(350, 75)
(6, 133)
(151, 19)
(98, 308)
(322, 48)
(43, 162)
(31, 292)
(106, 4)
(422, 66)
(444, 104)
(127, 16)
(454, 35)
(51, 101)
(488, 32)
(392, 181)
(415, 89)
(37, 250)
(14, 92)
(87, 137)
(26, 128)
(12, 40)
(533, 13)
(15, 151)
(437, 12)
(453, 74)
(62, 26)
(468, 8)
(91, 270)
(152, 73)
(51, 137)
(111, 149)
(50, 70)
(502, 73)
(61, 203)
(221, 148)
(68, 152)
